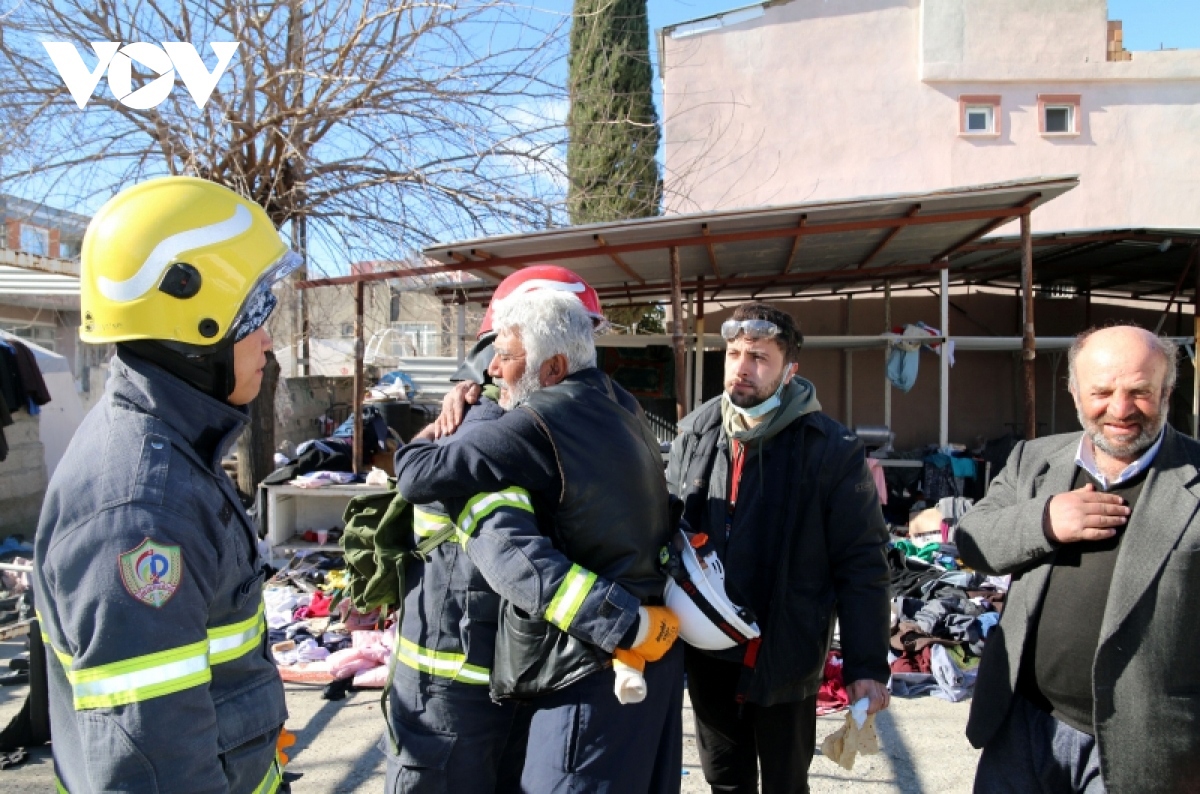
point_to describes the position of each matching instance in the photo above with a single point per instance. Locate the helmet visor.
(260, 301)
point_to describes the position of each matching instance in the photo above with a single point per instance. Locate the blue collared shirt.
(1085, 458)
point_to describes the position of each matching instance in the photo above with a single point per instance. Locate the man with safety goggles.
(787, 503)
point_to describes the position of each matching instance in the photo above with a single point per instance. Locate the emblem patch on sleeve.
(151, 572)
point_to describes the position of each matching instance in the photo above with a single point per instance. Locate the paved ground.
(924, 749)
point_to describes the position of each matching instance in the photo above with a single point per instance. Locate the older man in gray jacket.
(1090, 683)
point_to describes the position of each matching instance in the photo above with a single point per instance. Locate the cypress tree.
(613, 126)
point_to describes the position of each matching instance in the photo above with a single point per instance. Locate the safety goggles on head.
(753, 329)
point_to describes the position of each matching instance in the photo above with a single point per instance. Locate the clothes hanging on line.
(21, 384)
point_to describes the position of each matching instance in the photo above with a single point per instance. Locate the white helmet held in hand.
(696, 594)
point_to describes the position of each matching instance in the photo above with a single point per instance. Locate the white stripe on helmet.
(168, 250)
(544, 283)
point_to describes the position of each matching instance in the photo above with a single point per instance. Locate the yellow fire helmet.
(182, 261)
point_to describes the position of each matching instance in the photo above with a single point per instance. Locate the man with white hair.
(1087, 684)
(563, 506)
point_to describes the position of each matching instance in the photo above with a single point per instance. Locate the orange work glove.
(286, 739)
(658, 628)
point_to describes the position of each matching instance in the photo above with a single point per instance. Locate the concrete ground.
(924, 751)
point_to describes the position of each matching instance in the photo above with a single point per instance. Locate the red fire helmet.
(537, 277)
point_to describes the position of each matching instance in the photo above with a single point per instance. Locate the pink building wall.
(822, 99)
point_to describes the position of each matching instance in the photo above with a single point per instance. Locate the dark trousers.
(735, 740)
(450, 737)
(581, 739)
(1034, 752)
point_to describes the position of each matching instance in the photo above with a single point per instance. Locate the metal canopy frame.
(779, 251)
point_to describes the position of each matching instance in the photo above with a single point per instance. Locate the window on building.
(1058, 118)
(347, 329)
(979, 118)
(35, 240)
(979, 115)
(394, 309)
(1058, 114)
(415, 339)
(42, 335)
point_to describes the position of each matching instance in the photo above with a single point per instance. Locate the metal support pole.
(1087, 304)
(944, 360)
(460, 347)
(1196, 357)
(677, 334)
(1055, 360)
(698, 391)
(887, 327)
(304, 352)
(848, 369)
(1178, 285)
(358, 376)
(1028, 341)
(689, 355)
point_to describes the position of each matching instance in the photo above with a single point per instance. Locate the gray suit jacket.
(1146, 673)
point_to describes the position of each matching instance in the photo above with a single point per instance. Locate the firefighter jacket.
(562, 505)
(149, 589)
(805, 543)
(448, 632)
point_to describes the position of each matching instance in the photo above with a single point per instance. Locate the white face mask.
(771, 403)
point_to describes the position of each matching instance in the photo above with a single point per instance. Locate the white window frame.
(969, 104)
(989, 112)
(1070, 110)
(1067, 102)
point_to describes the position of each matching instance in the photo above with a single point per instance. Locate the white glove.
(630, 686)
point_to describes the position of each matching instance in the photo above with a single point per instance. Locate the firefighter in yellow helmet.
(147, 575)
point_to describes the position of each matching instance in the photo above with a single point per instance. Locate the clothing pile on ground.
(21, 385)
(941, 618)
(316, 635)
(14, 585)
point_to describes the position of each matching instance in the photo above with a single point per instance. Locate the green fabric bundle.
(377, 539)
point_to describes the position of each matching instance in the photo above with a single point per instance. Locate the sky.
(1147, 24)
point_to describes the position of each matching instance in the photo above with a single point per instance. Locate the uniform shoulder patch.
(151, 572)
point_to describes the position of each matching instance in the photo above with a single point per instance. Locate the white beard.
(514, 394)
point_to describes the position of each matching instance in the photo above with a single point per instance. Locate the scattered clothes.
(876, 469)
(316, 635)
(987, 622)
(336, 690)
(13, 758)
(319, 479)
(940, 621)
(832, 695)
(306, 673)
(954, 684)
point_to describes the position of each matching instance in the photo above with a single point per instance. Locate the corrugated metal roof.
(768, 251)
(29, 274)
(1122, 263)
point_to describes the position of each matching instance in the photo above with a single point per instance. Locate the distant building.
(402, 317)
(39, 304)
(818, 99)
